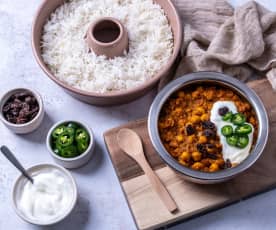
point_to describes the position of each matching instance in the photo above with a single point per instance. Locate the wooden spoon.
(131, 144)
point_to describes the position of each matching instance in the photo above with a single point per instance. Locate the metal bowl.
(217, 79)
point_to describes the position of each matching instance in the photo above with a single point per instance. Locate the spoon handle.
(10, 156)
(157, 184)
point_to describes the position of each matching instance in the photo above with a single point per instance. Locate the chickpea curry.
(189, 134)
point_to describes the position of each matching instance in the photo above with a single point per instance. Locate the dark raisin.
(28, 99)
(208, 125)
(211, 156)
(201, 148)
(25, 106)
(227, 164)
(209, 133)
(6, 108)
(190, 130)
(223, 110)
(210, 146)
(22, 95)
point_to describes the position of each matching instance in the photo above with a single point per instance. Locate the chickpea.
(197, 166)
(220, 162)
(181, 122)
(202, 140)
(178, 110)
(181, 94)
(199, 111)
(179, 138)
(185, 156)
(214, 167)
(195, 119)
(196, 156)
(204, 117)
(173, 144)
(191, 139)
(183, 163)
(206, 162)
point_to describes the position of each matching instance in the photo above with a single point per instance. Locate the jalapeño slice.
(242, 141)
(65, 139)
(232, 140)
(244, 129)
(227, 130)
(238, 119)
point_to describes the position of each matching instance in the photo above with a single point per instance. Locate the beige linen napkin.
(217, 38)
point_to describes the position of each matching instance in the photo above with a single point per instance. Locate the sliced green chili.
(65, 139)
(244, 129)
(227, 116)
(81, 135)
(238, 119)
(82, 146)
(227, 130)
(72, 125)
(57, 131)
(242, 141)
(232, 140)
(69, 151)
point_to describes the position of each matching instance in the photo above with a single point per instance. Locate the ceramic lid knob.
(107, 36)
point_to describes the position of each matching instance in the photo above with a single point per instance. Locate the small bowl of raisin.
(21, 110)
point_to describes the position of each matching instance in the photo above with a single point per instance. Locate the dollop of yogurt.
(49, 197)
(234, 154)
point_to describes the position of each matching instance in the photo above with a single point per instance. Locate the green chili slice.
(81, 135)
(242, 141)
(244, 129)
(238, 119)
(227, 130)
(82, 146)
(72, 125)
(69, 151)
(65, 139)
(232, 140)
(71, 130)
(227, 116)
(57, 131)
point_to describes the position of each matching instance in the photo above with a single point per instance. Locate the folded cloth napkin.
(218, 38)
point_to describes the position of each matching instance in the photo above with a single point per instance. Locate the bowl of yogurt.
(49, 199)
(208, 127)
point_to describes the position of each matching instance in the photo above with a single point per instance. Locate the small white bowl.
(17, 189)
(74, 162)
(26, 127)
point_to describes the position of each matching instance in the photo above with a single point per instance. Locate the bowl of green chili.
(71, 143)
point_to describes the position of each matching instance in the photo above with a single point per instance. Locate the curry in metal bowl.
(208, 127)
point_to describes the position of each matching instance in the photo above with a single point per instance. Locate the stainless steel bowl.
(218, 79)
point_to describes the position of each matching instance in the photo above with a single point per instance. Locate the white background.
(101, 202)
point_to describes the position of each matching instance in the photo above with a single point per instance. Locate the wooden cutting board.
(192, 199)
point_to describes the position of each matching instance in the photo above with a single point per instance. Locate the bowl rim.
(9, 93)
(83, 155)
(219, 78)
(37, 167)
(177, 48)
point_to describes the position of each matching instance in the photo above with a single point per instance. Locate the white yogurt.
(234, 154)
(48, 198)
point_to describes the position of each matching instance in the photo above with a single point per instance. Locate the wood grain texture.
(191, 199)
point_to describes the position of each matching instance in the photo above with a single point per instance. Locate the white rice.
(66, 52)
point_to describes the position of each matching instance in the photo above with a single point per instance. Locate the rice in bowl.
(67, 54)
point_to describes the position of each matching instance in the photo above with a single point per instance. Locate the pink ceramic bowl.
(112, 98)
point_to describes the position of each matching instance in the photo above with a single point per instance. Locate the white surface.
(101, 203)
